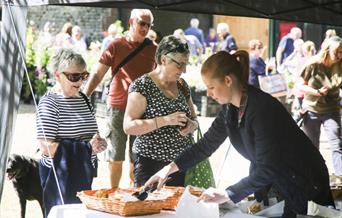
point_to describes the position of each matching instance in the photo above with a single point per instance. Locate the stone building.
(92, 20)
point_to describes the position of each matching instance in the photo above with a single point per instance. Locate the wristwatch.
(319, 92)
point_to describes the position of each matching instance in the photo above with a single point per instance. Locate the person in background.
(308, 50)
(328, 34)
(195, 31)
(212, 40)
(285, 47)
(152, 35)
(257, 65)
(322, 79)
(260, 129)
(140, 23)
(195, 47)
(228, 42)
(160, 112)
(78, 41)
(112, 34)
(64, 39)
(67, 133)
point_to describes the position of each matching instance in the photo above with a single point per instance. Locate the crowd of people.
(150, 111)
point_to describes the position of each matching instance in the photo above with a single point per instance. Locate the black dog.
(24, 173)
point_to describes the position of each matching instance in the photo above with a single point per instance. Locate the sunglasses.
(75, 77)
(179, 65)
(180, 48)
(143, 23)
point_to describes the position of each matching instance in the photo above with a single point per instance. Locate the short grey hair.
(64, 58)
(138, 13)
(171, 45)
(222, 27)
(194, 22)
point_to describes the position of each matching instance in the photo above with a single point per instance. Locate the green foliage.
(37, 75)
(289, 79)
(30, 54)
(119, 27)
(41, 85)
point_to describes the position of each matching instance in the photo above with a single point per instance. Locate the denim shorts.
(116, 137)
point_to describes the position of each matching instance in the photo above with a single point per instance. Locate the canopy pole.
(11, 75)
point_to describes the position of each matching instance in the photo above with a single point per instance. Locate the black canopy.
(315, 11)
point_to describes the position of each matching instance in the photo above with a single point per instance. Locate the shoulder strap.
(145, 43)
(86, 99)
(184, 88)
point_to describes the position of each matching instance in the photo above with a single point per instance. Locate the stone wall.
(93, 21)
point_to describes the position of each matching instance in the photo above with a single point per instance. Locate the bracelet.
(155, 120)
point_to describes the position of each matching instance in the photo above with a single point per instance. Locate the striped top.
(61, 117)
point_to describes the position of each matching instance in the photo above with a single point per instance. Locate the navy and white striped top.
(61, 117)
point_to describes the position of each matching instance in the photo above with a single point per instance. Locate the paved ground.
(24, 143)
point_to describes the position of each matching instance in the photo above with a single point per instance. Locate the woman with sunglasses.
(160, 112)
(261, 130)
(67, 133)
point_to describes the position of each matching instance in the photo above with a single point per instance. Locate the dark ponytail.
(243, 58)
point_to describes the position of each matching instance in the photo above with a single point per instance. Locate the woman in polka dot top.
(160, 113)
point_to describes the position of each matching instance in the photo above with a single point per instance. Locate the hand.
(98, 144)
(176, 119)
(213, 195)
(191, 126)
(162, 176)
(48, 147)
(323, 91)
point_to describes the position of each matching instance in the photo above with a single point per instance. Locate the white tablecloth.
(80, 211)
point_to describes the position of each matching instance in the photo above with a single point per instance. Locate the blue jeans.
(332, 126)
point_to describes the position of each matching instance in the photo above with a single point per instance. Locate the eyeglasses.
(179, 65)
(75, 77)
(143, 23)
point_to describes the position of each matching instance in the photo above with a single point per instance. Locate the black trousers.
(145, 167)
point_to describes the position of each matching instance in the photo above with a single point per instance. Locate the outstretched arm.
(95, 79)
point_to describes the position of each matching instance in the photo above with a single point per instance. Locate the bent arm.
(135, 125)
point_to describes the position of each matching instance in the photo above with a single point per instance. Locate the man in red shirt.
(140, 22)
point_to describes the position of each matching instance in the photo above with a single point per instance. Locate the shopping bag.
(201, 175)
(272, 83)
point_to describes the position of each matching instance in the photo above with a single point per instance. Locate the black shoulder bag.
(94, 161)
(145, 43)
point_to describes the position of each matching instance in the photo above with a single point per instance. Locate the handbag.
(272, 83)
(201, 175)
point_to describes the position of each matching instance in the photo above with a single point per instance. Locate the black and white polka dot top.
(165, 143)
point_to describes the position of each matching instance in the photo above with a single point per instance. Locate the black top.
(280, 153)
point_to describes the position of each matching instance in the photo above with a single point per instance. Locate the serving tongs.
(143, 193)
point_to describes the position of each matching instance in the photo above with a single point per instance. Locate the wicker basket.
(104, 202)
(171, 202)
